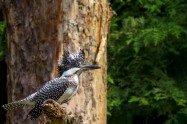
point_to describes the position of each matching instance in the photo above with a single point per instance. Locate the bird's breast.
(68, 94)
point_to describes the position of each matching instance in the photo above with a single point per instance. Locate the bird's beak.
(89, 67)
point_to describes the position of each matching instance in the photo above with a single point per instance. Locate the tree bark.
(37, 33)
(58, 114)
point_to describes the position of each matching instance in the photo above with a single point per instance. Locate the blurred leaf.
(2, 44)
(109, 79)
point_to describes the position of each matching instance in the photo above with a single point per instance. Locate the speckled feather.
(53, 89)
(70, 60)
(18, 104)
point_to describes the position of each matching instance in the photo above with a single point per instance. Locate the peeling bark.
(37, 34)
(57, 114)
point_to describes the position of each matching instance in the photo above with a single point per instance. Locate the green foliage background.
(147, 62)
(2, 34)
(2, 42)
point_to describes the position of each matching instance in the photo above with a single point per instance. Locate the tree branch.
(56, 113)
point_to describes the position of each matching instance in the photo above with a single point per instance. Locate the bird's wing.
(70, 60)
(53, 89)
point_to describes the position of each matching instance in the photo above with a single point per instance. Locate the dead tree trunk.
(37, 33)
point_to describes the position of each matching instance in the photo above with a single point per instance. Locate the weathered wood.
(38, 32)
(57, 114)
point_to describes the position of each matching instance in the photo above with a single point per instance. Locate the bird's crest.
(70, 60)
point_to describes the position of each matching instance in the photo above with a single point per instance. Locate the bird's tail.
(13, 105)
(18, 104)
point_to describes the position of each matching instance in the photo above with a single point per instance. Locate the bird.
(60, 89)
(70, 60)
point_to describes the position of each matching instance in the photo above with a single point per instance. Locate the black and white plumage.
(20, 103)
(59, 89)
(71, 60)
